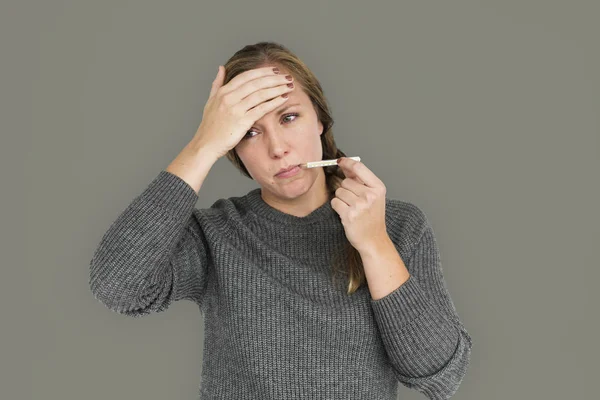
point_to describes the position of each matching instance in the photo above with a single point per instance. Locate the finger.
(339, 206)
(350, 173)
(355, 185)
(217, 83)
(347, 196)
(247, 76)
(359, 170)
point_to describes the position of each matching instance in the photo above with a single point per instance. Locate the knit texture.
(276, 325)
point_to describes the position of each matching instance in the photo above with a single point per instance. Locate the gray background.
(484, 114)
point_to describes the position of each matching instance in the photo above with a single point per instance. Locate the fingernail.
(339, 160)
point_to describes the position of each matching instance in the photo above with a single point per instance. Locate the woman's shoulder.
(403, 212)
(405, 222)
(222, 211)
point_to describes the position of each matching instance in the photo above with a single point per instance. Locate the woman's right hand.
(231, 110)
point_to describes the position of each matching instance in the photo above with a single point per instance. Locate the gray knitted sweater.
(276, 325)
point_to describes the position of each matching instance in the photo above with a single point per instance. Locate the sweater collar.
(324, 213)
(310, 240)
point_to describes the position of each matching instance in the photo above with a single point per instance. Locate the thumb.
(217, 83)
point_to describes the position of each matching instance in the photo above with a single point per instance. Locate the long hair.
(347, 261)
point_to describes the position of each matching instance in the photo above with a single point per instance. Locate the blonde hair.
(270, 53)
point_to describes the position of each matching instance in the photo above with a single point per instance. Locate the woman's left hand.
(360, 202)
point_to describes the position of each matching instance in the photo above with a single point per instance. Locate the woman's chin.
(290, 188)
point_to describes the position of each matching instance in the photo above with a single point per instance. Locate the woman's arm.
(155, 252)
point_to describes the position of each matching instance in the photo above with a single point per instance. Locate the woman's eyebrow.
(281, 110)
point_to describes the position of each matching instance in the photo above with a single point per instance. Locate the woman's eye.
(290, 115)
(283, 118)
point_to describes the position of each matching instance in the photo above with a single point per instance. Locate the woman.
(262, 266)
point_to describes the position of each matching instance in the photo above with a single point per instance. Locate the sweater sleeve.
(154, 253)
(427, 344)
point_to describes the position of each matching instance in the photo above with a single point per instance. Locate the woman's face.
(288, 135)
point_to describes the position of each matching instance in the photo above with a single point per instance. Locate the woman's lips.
(289, 173)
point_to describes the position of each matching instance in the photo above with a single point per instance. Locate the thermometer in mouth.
(324, 163)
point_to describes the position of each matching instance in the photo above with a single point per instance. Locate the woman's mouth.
(289, 173)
